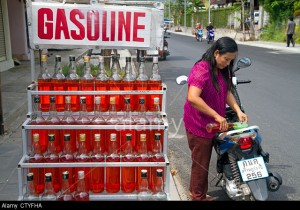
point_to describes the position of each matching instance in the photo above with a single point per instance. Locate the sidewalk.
(14, 84)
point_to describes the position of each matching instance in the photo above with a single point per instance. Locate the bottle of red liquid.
(128, 173)
(156, 156)
(49, 194)
(51, 156)
(112, 177)
(97, 173)
(87, 83)
(44, 83)
(58, 82)
(36, 156)
(141, 120)
(142, 156)
(68, 119)
(141, 82)
(67, 156)
(72, 83)
(81, 193)
(155, 118)
(144, 194)
(154, 83)
(101, 84)
(82, 155)
(66, 194)
(83, 119)
(115, 81)
(128, 82)
(53, 119)
(215, 127)
(38, 119)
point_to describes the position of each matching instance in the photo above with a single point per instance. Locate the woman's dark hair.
(223, 45)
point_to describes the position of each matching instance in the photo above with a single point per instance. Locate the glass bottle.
(113, 118)
(44, 83)
(144, 194)
(155, 118)
(81, 193)
(97, 173)
(51, 156)
(115, 81)
(65, 194)
(72, 83)
(142, 156)
(154, 83)
(30, 194)
(82, 155)
(141, 120)
(67, 156)
(83, 119)
(36, 156)
(215, 127)
(38, 119)
(68, 119)
(128, 173)
(112, 177)
(49, 194)
(141, 81)
(87, 83)
(101, 84)
(58, 82)
(53, 119)
(128, 83)
(159, 193)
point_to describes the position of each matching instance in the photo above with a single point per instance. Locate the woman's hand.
(243, 118)
(222, 121)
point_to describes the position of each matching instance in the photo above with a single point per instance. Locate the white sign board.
(57, 25)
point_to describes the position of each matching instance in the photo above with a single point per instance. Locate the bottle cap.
(155, 59)
(51, 137)
(52, 99)
(80, 174)
(30, 176)
(159, 172)
(82, 137)
(144, 173)
(36, 137)
(97, 136)
(67, 137)
(58, 58)
(112, 100)
(86, 58)
(157, 136)
(143, 137)
(36, 99)
(141, 100)
(101, 59)
(65, 175)
(71, 57)
(128, 136)
(82, 100)
(156, 100)
(97, 99)
(48, 177)
(68, 99)
(128, 59)
(113, 137)
(127, 100)
(44, 58)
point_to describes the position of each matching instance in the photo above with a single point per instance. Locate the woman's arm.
(235, 107)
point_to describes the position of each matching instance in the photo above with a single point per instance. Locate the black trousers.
(289, 39)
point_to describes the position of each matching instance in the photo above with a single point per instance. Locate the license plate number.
(254, 168)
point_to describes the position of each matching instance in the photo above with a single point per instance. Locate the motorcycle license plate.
(252, 169)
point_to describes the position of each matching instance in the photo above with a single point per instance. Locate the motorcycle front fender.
(259, 189)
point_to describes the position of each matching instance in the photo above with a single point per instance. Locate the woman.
(209, 86)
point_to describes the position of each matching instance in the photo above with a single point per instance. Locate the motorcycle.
(210, 36)
(241, 162)
(199, 35)
(165, 51)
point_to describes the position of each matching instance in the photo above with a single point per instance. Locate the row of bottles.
(130, 82)
(95, 181)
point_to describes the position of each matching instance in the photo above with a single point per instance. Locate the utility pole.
(208, 11)
(251, 27)
(184, 15)
(243, 19)
(169, 9)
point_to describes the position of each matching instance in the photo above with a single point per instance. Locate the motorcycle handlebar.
(243, 81)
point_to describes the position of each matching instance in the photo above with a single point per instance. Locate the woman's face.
(224, 60)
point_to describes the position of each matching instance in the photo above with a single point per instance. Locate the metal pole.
(2, 131)
(169, 9)
(243, 19)
(208, 10)
(185, 15)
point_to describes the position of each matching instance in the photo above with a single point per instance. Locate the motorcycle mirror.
(243, 63)
(181, 80)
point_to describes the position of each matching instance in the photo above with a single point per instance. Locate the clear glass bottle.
(81, 193)
(128, 83)
(112, 119)
(115, 81)
(72, 83)
(58, 82)
(144, 194)
(159, 193)
(155, 118)
(44, 83)
(65, 194)
(141, 118)
(101, 84)
(141, 81)
(30, 194)
(154, 83)
(87, 83)
(142, 156)
(128, 173)
(49, 194)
